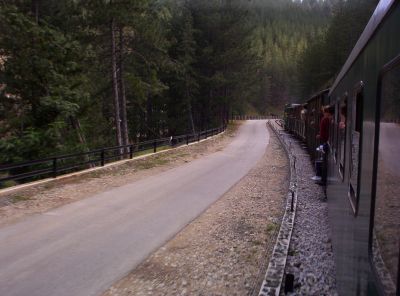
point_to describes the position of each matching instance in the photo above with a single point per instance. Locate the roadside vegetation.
(321, 62)
(79, 75)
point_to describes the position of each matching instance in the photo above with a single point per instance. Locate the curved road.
(83, 247)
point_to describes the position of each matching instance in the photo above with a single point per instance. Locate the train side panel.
(351, 174)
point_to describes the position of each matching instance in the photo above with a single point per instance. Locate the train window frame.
(342, 163)
(385, 69)
(355, 122)
(331, 138)
(335, 132)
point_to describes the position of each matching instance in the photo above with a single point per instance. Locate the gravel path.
(310, 258)
(226, 250)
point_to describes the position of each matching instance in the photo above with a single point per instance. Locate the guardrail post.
(187, 139)
(102, 157)
(130, 151)
(292, 202)
(206, 133)
(198, 137)
(155, 146)
(55, 167)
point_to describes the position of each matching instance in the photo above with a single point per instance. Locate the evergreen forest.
(77, 75)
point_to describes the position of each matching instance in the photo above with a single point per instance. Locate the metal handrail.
(56, 165)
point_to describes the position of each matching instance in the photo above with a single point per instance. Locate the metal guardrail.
(254, 117)
(280, 122)
(62, 164)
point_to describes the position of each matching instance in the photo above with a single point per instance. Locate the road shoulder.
(15, 206)
(224, 251)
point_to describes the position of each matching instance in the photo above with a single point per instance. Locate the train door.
(355, 139)
(385, 230)
(313, 126)
(336, 121)
(342, 135)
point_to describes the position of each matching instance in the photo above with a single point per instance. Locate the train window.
(335, 132)
(355, 122)
(331, 129)
(385, 239)
(342, 134)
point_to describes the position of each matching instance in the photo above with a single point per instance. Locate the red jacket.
(324, 129)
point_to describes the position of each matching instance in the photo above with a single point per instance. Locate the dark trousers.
(321, 164)
(324, 169)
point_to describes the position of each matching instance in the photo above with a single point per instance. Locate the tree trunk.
(81, 137)
(77, 127)
(149, 119)
(115, 85)
(191, 117)
(189, 106)
(124, 119)
(35, 10)
(226, 104)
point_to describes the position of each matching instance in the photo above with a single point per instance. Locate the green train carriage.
(364, 158)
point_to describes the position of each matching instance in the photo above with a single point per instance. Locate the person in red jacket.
(324, 148)
(324, 124)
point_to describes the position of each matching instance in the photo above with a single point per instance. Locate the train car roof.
(292, 105)
(316, 95)
(379, 14)
(319, 93)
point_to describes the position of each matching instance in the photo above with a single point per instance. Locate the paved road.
(82, 248)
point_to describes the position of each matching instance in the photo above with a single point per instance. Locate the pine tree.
(43, 85)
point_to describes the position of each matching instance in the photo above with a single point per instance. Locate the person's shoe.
(316, 178)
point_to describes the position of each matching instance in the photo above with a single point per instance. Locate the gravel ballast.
(310, 257)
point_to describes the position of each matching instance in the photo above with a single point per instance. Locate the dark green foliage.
(323, 59)
(180, 66)
(282, 30)
(42, 87)
(227, 65)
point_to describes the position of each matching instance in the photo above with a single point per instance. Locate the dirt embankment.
(226, 250)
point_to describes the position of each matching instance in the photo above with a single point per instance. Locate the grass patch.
(252, 256)
(258, 243)
(151, 150)
(150, 163)
(6, 184)
(182, 154)
(272, 227)
(96, 174)
(233, 127)
(19, 198)
(48, 186)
